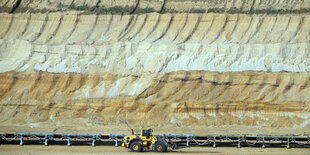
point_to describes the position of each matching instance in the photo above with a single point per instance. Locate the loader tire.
(136, 147)
(160, 147)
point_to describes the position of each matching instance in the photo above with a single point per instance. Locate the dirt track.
(33, 149)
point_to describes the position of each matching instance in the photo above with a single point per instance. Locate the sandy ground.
(36, 149)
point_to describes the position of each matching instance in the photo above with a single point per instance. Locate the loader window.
(146, 133)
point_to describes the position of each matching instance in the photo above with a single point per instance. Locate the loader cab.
(146, 133)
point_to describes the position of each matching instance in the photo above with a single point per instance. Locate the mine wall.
(177, 65)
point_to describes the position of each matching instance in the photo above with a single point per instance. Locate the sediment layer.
(176, 99)
(61, 43)
(160, 6)
(182, 65)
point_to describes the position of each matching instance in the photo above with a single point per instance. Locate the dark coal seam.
(216, 83)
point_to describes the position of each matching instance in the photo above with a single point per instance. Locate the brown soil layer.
(189, 99)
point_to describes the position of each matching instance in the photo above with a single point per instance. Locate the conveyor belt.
(287, 141)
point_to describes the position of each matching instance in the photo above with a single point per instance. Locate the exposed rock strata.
(107, 64)
(163, 6)
(61, 43)
(176, 99)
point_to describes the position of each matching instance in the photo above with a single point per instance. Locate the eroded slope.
(122, 67)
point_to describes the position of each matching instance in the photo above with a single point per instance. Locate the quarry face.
(186, 66)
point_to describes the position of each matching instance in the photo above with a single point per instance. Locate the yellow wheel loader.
(144, 141)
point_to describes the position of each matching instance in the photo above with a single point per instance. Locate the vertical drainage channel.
(162, 7)
(131, 12)
(15, 6)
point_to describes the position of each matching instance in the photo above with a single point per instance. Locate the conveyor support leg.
(68, 141)
(21, 140)
(288, 143)
(116, 141)
(263, 143)
(214, 145)
(94, 141)
(187, 141)
(45, 143)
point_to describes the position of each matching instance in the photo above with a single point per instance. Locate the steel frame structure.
(175, 140)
